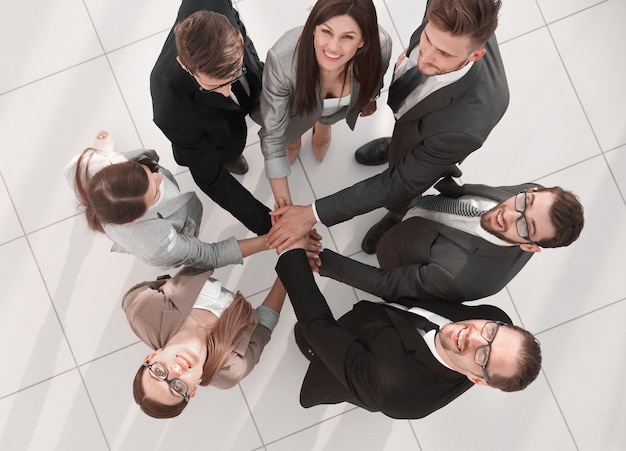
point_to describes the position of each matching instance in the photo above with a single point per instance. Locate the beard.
(487, 224)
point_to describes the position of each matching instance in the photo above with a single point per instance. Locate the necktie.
(402, 86)
(447, 205)
(242, 96)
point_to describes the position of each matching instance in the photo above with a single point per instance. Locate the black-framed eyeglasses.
(242, 72)
(522, 223)
(481, 357)
(158, 371)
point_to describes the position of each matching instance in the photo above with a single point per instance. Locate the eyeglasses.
(481, 357)
(242, 72)
(158, 371)
(522, 224)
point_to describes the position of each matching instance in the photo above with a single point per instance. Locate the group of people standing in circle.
(207, 79)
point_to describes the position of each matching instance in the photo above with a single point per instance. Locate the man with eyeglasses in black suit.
(205, 82)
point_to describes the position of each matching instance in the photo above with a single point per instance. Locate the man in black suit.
(392, 358)
(205, 82)
(447, 256)
(458, 95)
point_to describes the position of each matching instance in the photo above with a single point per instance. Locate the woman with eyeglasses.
(201, 333)
(138, 205)
(316, 75)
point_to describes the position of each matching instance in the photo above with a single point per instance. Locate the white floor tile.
(10, 227)
(41, 38)
(518, 17)
(594, 68)
(54, 415)
(359, 428)
(119, 22)
(555, 9)
(583, 363)
(544, 128)
(30, 333)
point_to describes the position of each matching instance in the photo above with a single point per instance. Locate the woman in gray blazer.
(314, 76)
(139, 206)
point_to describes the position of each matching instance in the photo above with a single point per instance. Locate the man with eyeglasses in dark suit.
(205, 82)
(405, 359)
(448, 256)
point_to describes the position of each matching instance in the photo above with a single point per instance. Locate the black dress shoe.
(374, 234)
(374, 152)
(303, 345)
(238, 166)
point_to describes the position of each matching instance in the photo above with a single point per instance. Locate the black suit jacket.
(438, 132)
(424, 259)
(207, 129)
(372, 357)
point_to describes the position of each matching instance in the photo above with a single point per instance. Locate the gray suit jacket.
(422, 259)
(156, 310)
(279, 125)
(166, 235)
(440, 131)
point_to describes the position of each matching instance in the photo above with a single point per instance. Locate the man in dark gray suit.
(447, 256)
(454, 93)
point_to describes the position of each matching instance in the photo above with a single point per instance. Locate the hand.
(313, 249)
(369, 108)
(280, 203)
(294, 223)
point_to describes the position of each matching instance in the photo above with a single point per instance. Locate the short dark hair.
(207, 43)
(567, 216)
(477, 19)
(529, 364)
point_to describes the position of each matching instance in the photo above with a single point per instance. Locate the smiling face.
(501, 220)
(440, 52)
(336, 41)
(183, 362)
(457, 342)
(153, 193)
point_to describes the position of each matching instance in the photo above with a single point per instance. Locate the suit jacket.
(279, 125)
(424, 259)
(207, 129)
(441, 130)
(167, 234)
(372, 356)
(156, 310)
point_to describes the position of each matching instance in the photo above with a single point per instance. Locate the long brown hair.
(221, 341)
(114, 195)
(366, 63)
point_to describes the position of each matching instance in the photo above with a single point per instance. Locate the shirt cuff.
(317, 218)
(267, 317)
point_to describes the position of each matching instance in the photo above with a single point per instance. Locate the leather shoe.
(374, 152)
(303, 345)
(238, 166)
(374, 234)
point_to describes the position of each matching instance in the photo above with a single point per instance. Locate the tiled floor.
(71, 68)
